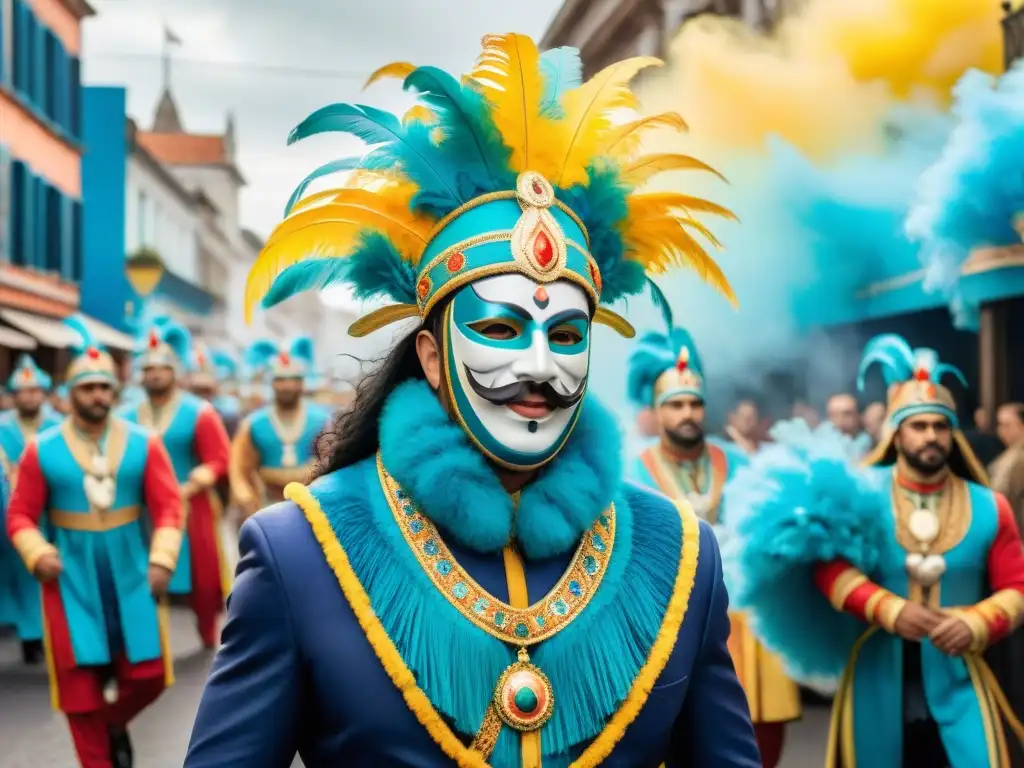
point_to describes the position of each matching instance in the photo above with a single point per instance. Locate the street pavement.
(33, 736)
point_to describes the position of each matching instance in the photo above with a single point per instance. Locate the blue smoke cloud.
(969, 197)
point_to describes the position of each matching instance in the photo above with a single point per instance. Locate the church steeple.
(166, 119)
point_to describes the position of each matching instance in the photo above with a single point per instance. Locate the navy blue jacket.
(295, 673)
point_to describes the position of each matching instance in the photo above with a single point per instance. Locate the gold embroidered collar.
(521, 627)
(159, 419)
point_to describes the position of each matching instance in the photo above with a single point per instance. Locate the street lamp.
(144, 270)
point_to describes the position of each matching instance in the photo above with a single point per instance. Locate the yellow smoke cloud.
(827, 75)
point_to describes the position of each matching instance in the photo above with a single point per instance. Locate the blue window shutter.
(28, 197)
(67, 256)
(22, 47)
(75, 95)
(40, 67)
(4, 74)
(60, 79)
(50, 81)
(17, 211)
(17, 32)
(39, 220)
(77, 265)
(53, 228)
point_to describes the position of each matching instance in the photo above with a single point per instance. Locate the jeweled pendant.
(523, 697)
(289, 456)
(923, 525)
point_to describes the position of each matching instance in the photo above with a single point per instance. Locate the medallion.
(99, 485)
(924, 525)
(523, 697)
(289, 456)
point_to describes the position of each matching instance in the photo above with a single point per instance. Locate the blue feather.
(301, 348)
(335, 166)
(259, 354)
(405, 147)
(660, 301)
(800, 502)
(466, 125)
(179, 340)
(377, 270)
(893, 354)
(86, 338)
(943, 368)
(310, 275)
(225, 363)
(562, 71)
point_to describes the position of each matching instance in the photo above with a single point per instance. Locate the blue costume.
(272, 447)
(829, 554)
(85, 500)
(198, 445)
(19, 593)
(666, 369)
(426, 613)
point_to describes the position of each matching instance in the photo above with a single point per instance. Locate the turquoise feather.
(660, 301)
(899, 361)
(562, 71)
(609, 641)
(335, 166)
(226, 365)
(178, 339)
(86, 338)
(309, 275)
(654, 354)
(801, 501)
(301, 348)
(260, 353)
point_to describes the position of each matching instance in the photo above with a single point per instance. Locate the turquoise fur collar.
(433, 460)
(457, 664)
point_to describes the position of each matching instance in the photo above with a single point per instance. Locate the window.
(22, 47)
(75, 97)
(20, 212)
(5, 69)
(6, 192)
(143, 211)
(76, 241)
(67, 251)
(39, 219)
(51, 76)
(54, 229)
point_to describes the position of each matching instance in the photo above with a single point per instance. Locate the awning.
(12, 339)
(109, 337)
(51, 332)
(48, 331)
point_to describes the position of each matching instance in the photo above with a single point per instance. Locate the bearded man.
(919, 570)
(470, 580)
(665, 374)
(19, 592)
(76, 519)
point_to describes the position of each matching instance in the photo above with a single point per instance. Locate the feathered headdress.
(165, 343)
(517, 167)
(664, 364)
(28, 375)
(202, 366)
(913, 378)
(225, 364)
(91, 363)
(292, 361)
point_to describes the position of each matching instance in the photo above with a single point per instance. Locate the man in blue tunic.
(19, 593)
(470, 580)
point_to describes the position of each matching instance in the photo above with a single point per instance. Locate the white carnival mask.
(517, 354)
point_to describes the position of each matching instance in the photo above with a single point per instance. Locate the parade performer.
(226, 401)
(19, 592)
(76, 519)
(899, 576)
(198, 445)
(665, 373)
(470, 576)
(203, 379)
(275, 444)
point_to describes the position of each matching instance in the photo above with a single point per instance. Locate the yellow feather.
(674, 201)
(624, 140)
(588, 117)
(420, 114)
(638, 173)
(396, 69)
(322, 238)
(508, 72)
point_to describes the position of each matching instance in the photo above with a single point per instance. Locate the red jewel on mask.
(543, 249)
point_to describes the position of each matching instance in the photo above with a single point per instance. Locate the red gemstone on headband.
(456, 261)
(595, 275)
(284, 358)
(683, 360)
(543, 249)
(93, 353)
(921, 374)
(154, 340)
(537, 188)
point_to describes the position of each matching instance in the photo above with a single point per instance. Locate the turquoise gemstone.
(480, 605)
(415, 526)
(460, 590)
(598, 542)
(526, 700)
(605, 521)
(431, 547)
(443, 567)
(559, 607)
(499, 619)
(522, 630)
(575, 588)
(590, 565)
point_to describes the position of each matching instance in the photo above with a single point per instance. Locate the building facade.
(41, 191)
(606, 31)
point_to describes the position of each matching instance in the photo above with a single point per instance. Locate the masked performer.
(900, 576)
(19, 592)
(86, 484)
(470, 577)
(198, 445)
(275, 445)
(665, 373)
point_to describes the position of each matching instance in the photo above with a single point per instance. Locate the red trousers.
(770, 738)
(90, 730)
(207, 596)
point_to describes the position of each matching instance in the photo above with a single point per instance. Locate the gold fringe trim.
(51, 664)
(163, 617)
(417, 700)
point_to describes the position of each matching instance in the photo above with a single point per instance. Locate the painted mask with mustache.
(517, 354)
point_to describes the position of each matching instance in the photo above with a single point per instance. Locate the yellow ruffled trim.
(418, 702)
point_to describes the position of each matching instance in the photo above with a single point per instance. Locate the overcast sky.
(271, 63)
